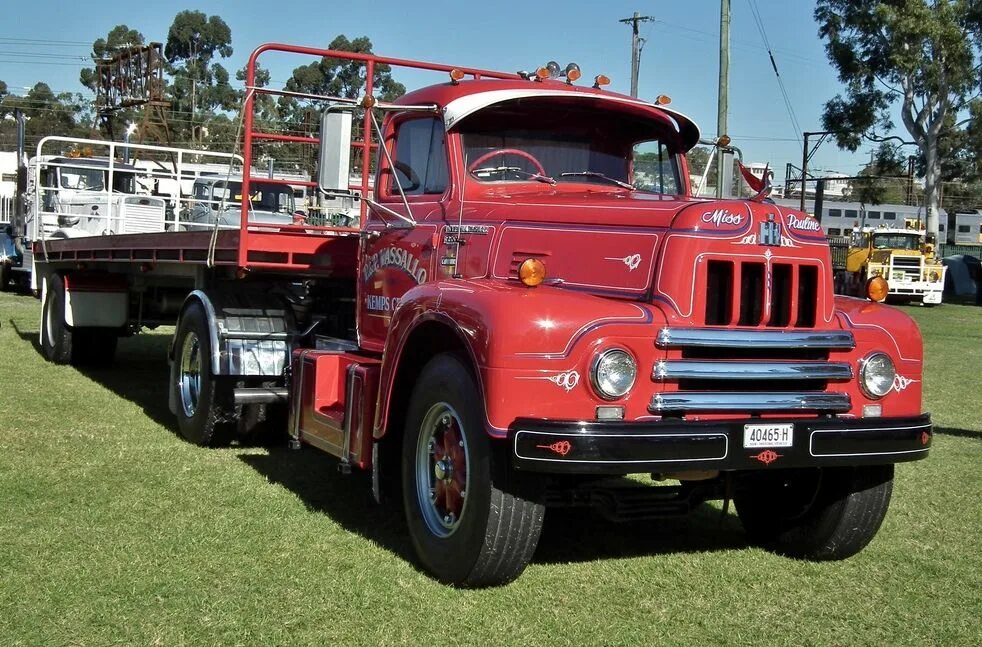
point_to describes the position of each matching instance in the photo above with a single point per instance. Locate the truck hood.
(659, 249)
(600, 205)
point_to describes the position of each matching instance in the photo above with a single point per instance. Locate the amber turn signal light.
(877, 289)
(532, 272)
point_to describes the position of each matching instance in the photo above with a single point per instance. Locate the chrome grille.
(726, 369)
(909, 265)
(754, 293)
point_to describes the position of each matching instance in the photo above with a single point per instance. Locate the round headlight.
(613, 373)
(876, 375)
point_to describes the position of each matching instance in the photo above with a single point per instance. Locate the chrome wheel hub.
(442, 470)
(189, 384)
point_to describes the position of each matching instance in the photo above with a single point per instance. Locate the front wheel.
(818, 514)
(472, 523)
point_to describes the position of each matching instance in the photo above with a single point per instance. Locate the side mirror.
(334, 161)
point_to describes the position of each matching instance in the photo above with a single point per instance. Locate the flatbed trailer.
(527, 306)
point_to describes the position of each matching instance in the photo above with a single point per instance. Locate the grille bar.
(738, 401)
(730, 338)
(757, 370)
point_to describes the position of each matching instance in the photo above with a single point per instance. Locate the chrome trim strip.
(737, 338)
(811, 442)
(676, 369)
(715, 434)
(748, 401)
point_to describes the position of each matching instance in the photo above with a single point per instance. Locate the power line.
(767, 45)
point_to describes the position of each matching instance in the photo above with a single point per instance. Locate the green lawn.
(113, 530)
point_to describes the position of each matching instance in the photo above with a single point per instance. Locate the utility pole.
(724, 82)
(636, 44)
(806, 155)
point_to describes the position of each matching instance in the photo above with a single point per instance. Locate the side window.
(835, 213)
(655, 168)
(420, 157)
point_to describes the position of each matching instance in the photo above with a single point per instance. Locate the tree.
(343, 78)
(881, 179)
(46, 112)
(336, 78)
(193, 41)
(922, 54)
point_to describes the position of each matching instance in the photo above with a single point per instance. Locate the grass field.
(115, 531)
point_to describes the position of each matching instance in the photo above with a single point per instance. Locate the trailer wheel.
(817, 514)
(470, 523)
(56, 337)
(205, 413)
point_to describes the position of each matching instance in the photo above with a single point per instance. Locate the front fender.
(878, 327)
(530, 347)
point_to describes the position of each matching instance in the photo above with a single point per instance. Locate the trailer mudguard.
(249, 332)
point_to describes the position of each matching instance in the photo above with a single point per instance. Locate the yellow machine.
(903, 257)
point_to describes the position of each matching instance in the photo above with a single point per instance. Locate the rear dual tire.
(81, 347)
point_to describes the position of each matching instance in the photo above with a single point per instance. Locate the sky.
(680, 56)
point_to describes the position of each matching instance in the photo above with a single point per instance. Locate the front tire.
(205, 412)
(471, 521)
(816, 514)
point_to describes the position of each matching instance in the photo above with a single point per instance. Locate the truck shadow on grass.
(140, 375)
(959, 433)
(568, 535)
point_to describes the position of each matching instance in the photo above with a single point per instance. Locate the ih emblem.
(770, 232)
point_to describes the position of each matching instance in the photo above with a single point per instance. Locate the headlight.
(934, 276)
(876, 375)
(613, 373)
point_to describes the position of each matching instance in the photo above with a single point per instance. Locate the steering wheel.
(473, 166)
(410, 174)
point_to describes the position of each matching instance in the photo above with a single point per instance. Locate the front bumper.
(673, 445)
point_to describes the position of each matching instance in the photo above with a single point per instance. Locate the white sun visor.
(465, 106)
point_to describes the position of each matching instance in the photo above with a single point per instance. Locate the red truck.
(522, 300)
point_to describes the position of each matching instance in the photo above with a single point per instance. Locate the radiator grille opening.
(751, 293)
(719, 293)
(781, 280)
(754, 386)
(807, 295)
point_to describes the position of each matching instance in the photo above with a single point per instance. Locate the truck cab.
(217, 200)
(902, 257)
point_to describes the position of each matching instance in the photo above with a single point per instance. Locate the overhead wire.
(755, 11)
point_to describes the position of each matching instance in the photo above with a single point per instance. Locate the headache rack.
(305, 246)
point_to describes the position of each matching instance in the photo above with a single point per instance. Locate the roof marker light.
(572, 73)
(456, 76)
(600, 80)
(663, 99)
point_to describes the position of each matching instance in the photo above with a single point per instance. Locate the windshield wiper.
(514, 169)
(623, 185)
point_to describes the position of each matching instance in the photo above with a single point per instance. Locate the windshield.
(896, 241)
(82, 179)
(94, 179)
(264, 197)
(558, 144)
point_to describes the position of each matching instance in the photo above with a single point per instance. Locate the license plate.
(764, 435)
